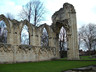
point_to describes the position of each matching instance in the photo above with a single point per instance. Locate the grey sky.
(85, 9)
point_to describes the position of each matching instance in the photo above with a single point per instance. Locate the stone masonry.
(13, 51)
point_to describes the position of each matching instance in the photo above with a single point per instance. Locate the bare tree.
(79, 41)
(10, 16)
(87, 35)
(33, 11)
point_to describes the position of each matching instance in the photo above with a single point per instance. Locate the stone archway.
(62, 43)
(50, 34)
(3, 32)
(44, 38)
(25, 35)
(29, 29)
(7, 22)
(66, 17)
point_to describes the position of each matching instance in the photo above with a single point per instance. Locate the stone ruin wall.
(66, 17)
(24, 53)
(13, 51)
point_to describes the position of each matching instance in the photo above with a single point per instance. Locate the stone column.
(14, 53)
(37, 37)
(33, 38)
(50, 41)
(56, 43)
(57, 48)
(9, 38)
(69, 47)
(73, 41)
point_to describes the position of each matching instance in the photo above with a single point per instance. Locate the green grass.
(82, 58)
(87, 58)
(45, 66)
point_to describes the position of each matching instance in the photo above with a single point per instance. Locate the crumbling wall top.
(61, 17)
(63, 13)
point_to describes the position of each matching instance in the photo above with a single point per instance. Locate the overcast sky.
(85, 9)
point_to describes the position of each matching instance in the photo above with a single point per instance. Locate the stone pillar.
(73, 53)
(56, 43)
(69, 47)
(39, 39)
(9, 38)
(14, 53)
(31, 37)
(16, 38)
(34, 38)
(50, 41)
(57, 48)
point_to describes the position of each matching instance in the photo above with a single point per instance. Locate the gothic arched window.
(25, 35)
(3, 32)
(44, 38)
(63, 42)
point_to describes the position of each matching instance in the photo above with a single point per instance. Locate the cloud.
(85, 12)
(85, 9)
(13, 7)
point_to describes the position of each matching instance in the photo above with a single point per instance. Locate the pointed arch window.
(63, 43)
(62, 39)
(3, 32)
(44, 38)
(25, 35)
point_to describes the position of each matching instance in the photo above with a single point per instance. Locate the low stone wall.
(25, 53)
(6, 53)
(84, 69)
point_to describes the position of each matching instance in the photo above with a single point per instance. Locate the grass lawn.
(44, 66)
(82, 58)
(87, 58)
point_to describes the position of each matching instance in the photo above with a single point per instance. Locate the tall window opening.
(63, 43)
(25, 35)
(3, 32)
(44, 38)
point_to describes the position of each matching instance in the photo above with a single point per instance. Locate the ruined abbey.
(14, 51)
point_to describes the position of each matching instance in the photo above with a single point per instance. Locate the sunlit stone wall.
(15, 51)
